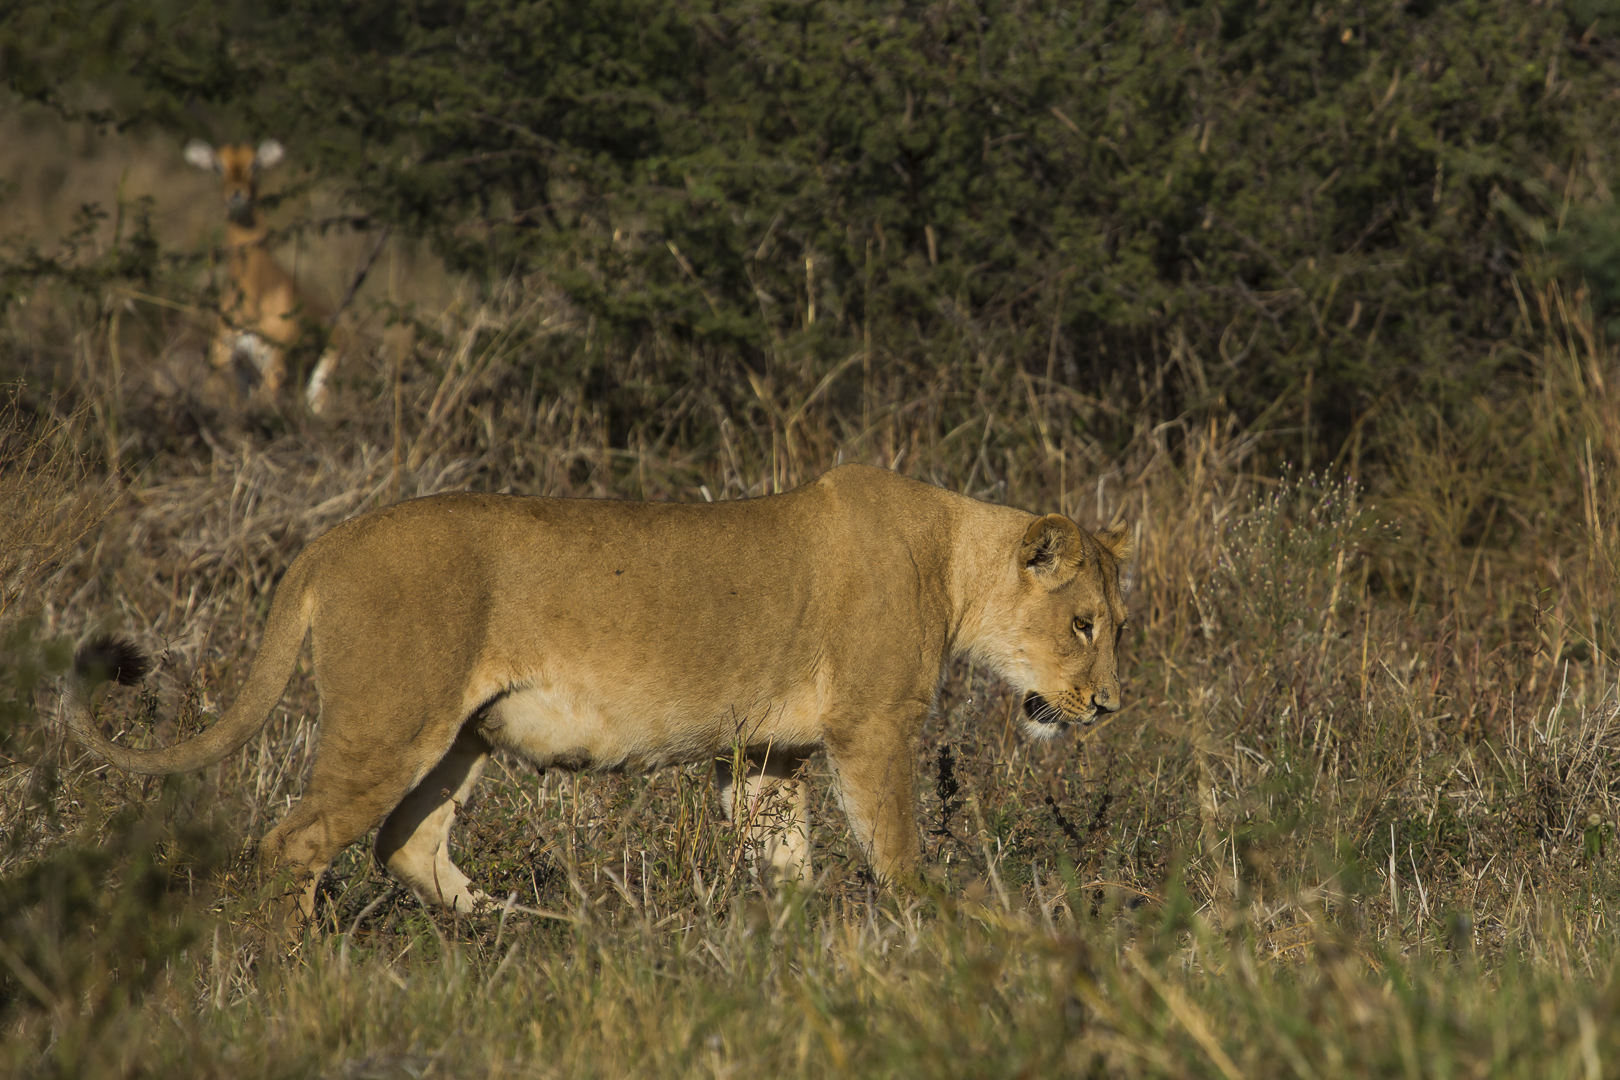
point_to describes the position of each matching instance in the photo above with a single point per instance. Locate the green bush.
(1170, 202)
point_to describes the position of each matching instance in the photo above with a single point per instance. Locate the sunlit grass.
(1357, 819)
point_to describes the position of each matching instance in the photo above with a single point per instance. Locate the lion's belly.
(574, 728)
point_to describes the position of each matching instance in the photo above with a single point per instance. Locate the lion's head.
(1057, 644)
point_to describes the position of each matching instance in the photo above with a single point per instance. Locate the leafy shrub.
(1171, 202)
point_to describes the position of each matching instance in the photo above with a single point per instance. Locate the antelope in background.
(263, 312)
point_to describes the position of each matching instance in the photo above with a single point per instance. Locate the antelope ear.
(1117, 540)
(202, 155)
(1052, 550)
(269, 155)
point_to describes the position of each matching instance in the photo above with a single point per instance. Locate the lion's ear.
(1118, 541)
(1053, 549)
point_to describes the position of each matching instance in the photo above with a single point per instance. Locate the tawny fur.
(591, 634)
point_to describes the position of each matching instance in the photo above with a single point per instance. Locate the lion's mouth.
(1042, 711)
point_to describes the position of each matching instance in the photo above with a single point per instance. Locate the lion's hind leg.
(361, 776)
(336, 810)
(414, 843)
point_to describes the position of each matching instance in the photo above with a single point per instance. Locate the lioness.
(590, 634)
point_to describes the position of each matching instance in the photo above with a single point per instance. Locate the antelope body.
(264, 312)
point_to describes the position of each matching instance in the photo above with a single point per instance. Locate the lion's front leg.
(874, 771)
(774, 808)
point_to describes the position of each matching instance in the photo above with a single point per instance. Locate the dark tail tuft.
(111, 657)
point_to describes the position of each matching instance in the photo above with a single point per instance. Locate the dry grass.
(50, 502)
(1357, 818)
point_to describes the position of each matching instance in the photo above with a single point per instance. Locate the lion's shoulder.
(855, 478)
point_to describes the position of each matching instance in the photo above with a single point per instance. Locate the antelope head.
(238, 166)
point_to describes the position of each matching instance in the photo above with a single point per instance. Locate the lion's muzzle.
(1042, 711)
(1070, 707)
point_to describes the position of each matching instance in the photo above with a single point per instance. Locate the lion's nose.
(1105, 699)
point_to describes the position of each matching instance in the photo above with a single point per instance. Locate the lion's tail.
(118, 659)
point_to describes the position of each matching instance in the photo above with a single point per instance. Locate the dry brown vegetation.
(1356, 818)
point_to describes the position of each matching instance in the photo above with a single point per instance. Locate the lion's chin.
(1038, 731)
(1041, 731)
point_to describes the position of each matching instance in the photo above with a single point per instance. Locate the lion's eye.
(1082, 626)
